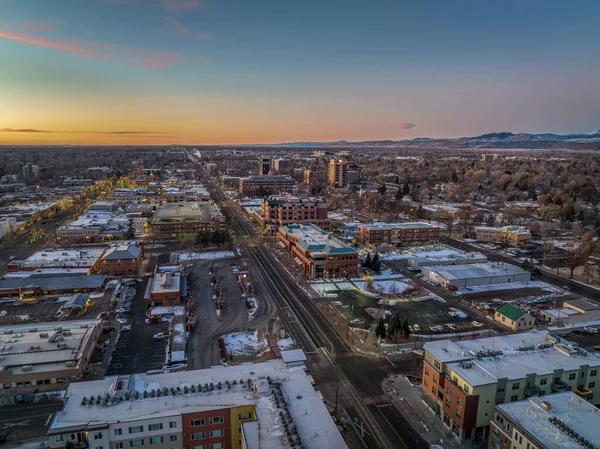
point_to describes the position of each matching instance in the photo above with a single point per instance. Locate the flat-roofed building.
(260, 185)
(515, 319)
(88, 259)
(45, 357)
(399, 234)
(338, 173)
(573, 311)
(121, 260)
(315, 176)
(318, 253)
(558, 421)
(166, 288)
(514, 235)
(475, 274)
(211, 408)
(7, 225)
(279, 210)
(49, 283)
(176, 220)
(464, 380)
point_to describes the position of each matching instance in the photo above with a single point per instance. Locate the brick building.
(260, 185)
(399, 234)
(280, 210)
(177, 220)
(121, 260)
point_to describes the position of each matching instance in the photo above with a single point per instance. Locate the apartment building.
(464, 380)
(280, 210)
(265, 164)
(338, 173)
(176, 220)
(558, 421)
(231, 182)
(318, 253)
(316, 176)
(202, 409)
(514, 235)
(7, 225)
(513, 318)
(45, 357)
(399, 234)
(261, 185)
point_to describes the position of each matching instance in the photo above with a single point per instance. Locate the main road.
(354, 378)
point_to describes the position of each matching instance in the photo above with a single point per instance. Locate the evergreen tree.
(376, 263)
(405, 328)
(368, 261)
(405, 189)
(399, 194)
(202, 239)
(380, 330)
(394, 325)
(130, 229)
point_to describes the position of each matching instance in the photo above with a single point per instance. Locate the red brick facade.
(198, 428)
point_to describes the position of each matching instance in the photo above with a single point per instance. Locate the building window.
(572, 376)
(592, 373)
(217, 433)
(196, 422)
(516, 386)
(458, 414)
(119, 445)
(152, 427)
(198, 447)
(97, 435)
(7, 386)
(136, 429)
(118, 431)
(244, 416)
(136, 443)
(198, 436)
(543, 381)
(591, 384)
(156, 440)
(59, 438)
(216, 420)
(217, 446)
(514, 398)
(172, 424)
(172, 437)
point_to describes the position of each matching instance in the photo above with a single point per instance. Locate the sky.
(270, 71)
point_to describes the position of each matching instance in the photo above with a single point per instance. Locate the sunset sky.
(269, 71)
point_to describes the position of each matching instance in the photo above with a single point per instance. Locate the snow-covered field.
(390, 287)
(187, 257)
(245, 343)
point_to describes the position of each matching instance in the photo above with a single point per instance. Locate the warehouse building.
(475, 274)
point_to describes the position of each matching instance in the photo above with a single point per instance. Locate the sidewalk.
(407, 399)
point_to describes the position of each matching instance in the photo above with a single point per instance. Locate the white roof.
(392, 226)
(578, 414)
(166, 282)
(475, 270)
(312, 419)
(59, 257)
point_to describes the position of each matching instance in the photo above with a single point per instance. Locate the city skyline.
(228, 72)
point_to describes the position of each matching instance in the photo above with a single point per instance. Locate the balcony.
(560, 387)
(584, 392)
(532, 390)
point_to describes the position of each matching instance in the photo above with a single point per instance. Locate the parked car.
(161, 336)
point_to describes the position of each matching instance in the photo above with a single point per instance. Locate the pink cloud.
(180, 28)
(149, 59)
(52, 43)
(181, 5)
(37, 26)
(407, 125)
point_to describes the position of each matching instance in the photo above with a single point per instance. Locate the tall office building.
(338, 173)
(31, 173)
(264, 165)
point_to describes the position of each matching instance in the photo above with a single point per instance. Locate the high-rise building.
(338, 173)
(281, 164)
(264, 165)
(31, 173)
(315, 176)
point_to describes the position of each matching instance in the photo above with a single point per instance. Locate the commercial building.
(425, 256)
(464, 380)
(280, 210)
(475, 274)
(167, 287)
(338, 173)
(269, 405)
(559, 421)
(264, 165)
(489, 157)
(231, 182)
(261, 185)
(514, 235)
(573, 311)
(7, 225)
(31, 173)
(399, 234)
(100, 222)
(63, 259)
(176, 220)
(45, 356)
(513, 318)
(121, 260)
(318, 253)
(282, 164)
(50, 283)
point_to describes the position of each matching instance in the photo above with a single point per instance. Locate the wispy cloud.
(183, 30)
(149, 59)
(37, 26)
(182, 5)
(22, 130)
(118, 133)
(407, 125)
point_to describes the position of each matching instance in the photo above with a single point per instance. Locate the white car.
(476, 323)
(161, 336)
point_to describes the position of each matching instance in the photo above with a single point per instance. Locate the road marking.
(49, 418)
(390, 424)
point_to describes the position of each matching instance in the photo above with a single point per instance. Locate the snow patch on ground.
(245, 343)
(286, 343)
(186, 257)
(389, 287)
(253, 307)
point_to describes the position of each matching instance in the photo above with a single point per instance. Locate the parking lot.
(136, 351)
(587, 339)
